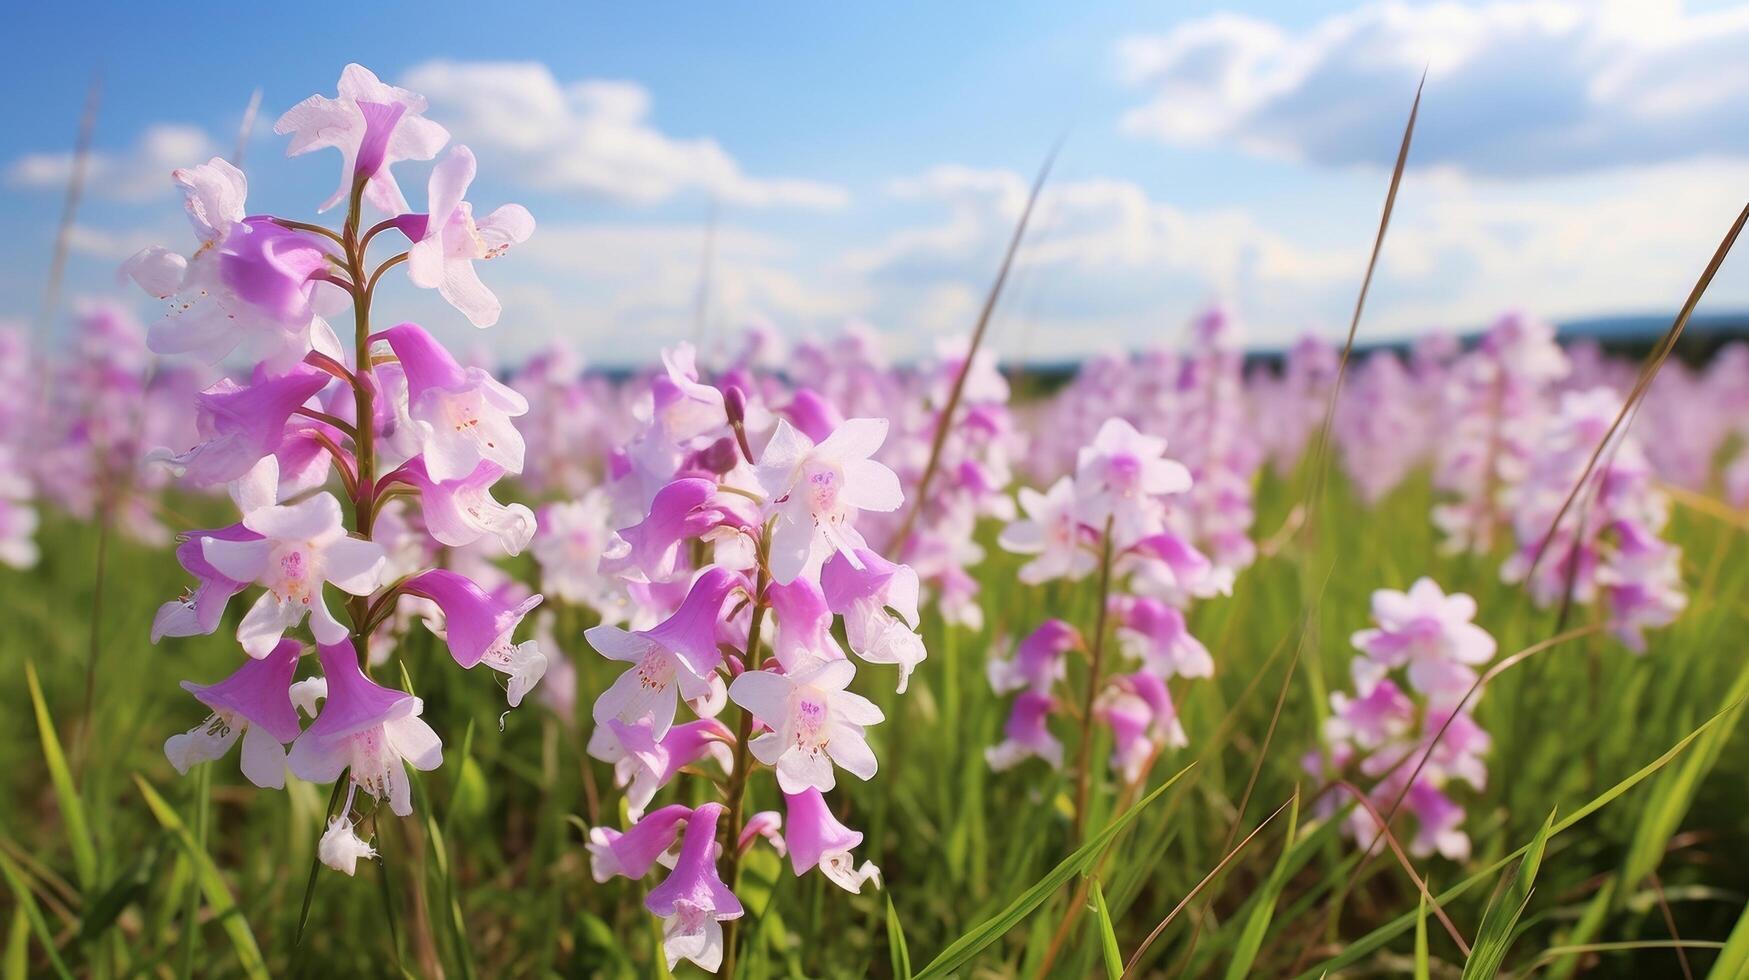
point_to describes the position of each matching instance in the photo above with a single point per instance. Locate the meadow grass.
(490, 877)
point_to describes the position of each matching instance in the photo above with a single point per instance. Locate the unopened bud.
(735, 403)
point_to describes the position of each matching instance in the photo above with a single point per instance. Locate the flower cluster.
(1113, 516)
(729, 538)
(1606, 547)
(973, 471)
(389, 417)
(18, 513)
(1497, 396)
(1407, 729)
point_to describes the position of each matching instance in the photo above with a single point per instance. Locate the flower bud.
(735, 404)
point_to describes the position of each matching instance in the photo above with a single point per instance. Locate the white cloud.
(592, 136)
(1513, 89)
(110, 244)
(1105, 264)
(140, 173)
(623, 291)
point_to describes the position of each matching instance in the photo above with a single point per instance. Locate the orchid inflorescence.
(1115, 516)
(1408, 729)
(724, 544)
(392, 413)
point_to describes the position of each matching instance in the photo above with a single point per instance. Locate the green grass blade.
(27, 902)
(961, 950)
(1733, 961)
(212, 885)
(1423, 970)
(896, 946)
(1494, 938)
(1257, 923)
(1357, 950)
(66, 791)
(315, 874)
(1107, 934)
(1674, 792)
(17, 960)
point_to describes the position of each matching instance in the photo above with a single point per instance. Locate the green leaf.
(27, 902)
(128, 887)
(896, 946)
(17, 960)
(1360, 948)
(1733, 961)
(961, 950)
(1257, 923)
(1495, 935)
(1673, 794)
(66, 792)
(1107, 934)
(1422, 971)
(212, 884)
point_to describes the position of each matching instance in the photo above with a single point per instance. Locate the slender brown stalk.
(945, 421)
(1408, 868)
(1648, 372)
(1135, 960)
(246, 128)
(1670, 924)
(737, 790)
(70, 206)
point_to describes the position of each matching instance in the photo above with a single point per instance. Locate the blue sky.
(867, 163)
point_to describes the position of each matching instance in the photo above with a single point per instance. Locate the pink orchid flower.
(372, 732)
(253, 702)
(674, 657)
(879, 604)
(633, 853)
(1051, 530)
(814, 723)
(443, 257)
(462, 414)
(300, 546)
(816, 490)
(319, 122)
(692, 901)
(478, 625)
(815, 839)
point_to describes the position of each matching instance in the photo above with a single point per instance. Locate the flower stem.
(1095, 663)
(364, 411)
(737, 791)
